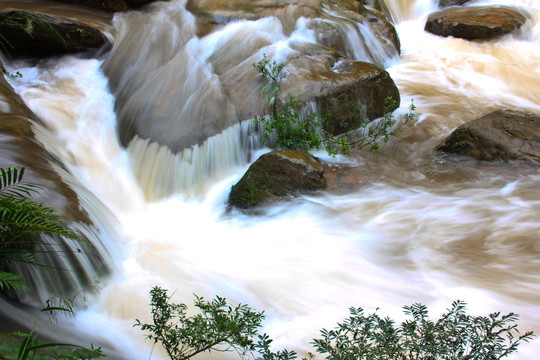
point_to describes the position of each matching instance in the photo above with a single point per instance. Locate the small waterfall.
(77, 132)
(192, 171)
(183, 88)
(369, 38)
(400, 226)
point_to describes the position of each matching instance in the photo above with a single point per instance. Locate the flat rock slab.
(27, 33)
(478, 22)
(277, 174)
(502, 135)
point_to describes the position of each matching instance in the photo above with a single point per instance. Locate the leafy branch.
(219, 326)
(291, 129)
(455, 336)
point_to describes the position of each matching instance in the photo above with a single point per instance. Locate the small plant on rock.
(292, 129)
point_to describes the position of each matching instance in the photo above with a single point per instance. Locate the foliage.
(22, 346)
(293, 130)
(218, 326)
(22, 221)
(271, 71)
(221, 327)
(289, 131)
(455, 336)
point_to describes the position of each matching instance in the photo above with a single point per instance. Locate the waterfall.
(400, 226)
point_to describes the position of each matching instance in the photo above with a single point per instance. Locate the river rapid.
(403, 225)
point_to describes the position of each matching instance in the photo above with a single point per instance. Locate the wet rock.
(110, 5)
(502, 135)
(277, 174)
(225, 88)
(26, 33)
(331, 20)
(377, 5)
(478, 22)
(447, 3)
(348, 92)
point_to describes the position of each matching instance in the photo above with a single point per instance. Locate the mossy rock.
(277, 174)
(502, 135)
(31, 34)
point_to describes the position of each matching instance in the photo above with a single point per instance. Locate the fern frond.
(19, 218)
(12, 185)
(11, 281)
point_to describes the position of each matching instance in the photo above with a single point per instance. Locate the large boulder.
(319, 77)
(347, 92)
(502, 135)
(277, 174)
(198, 87)
(475, 22)
(26, 33)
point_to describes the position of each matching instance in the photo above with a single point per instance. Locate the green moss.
(254, 188)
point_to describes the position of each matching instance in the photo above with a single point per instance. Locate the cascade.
(405, 225)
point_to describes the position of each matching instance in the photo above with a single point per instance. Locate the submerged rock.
(478, 22)
(26, 33)
(277, 174)
(502, 135)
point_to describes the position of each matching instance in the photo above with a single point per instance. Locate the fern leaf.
(11, 281)
(12, 185)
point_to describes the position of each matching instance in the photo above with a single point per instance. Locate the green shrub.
(222, 327)
(291, 130)
(455, 336)
(218, 326)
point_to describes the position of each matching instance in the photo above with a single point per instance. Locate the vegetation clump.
(220, 326)
(290, 128)
(22, 221)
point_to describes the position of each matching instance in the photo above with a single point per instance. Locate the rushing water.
(403, 225)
